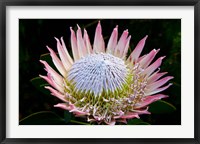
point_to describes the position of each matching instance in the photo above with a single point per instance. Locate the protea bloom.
(101, 83)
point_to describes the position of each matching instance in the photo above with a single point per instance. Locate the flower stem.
(82, 123)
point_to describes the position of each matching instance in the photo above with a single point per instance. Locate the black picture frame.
(5, 3)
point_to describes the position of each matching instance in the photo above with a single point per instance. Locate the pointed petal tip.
(129, 37)
(161, 96)
(47, 87)
(56, 105)
(56, 39)
(144, 39)
(115, 30)
(162, 57)
(42, 61)
(147, 112)
(41, 76)
(165, 96)
(99, 23)
(50, 50)
(157, 50)
(165, 73)
(78, 26)
(98, 26)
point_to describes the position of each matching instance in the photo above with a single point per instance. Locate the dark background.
(35, 34)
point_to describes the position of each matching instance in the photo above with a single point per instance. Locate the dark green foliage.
(42, 118)
(137, 122)
(39, 84)
(49, 118)
(160, 107)
(67, 116)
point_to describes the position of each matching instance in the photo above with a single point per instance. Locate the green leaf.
(39, 84)
(46, 57)
(161, 106)
(67, 116)
(143, 123)
(42, 118)
(136, 121)
(79, 122)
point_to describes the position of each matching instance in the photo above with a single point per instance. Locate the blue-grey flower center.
(97, 73)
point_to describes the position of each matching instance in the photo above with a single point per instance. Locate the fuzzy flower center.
(97, 73)
(103, 86)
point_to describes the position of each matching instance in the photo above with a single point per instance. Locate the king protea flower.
(101, 83)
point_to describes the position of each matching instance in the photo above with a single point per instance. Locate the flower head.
(103, 84)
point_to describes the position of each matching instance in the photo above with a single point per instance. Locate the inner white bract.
(96, 73)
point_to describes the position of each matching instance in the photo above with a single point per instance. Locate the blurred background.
(35, 34)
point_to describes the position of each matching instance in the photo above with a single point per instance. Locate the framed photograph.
(99, 71)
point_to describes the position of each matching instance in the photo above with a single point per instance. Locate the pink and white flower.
(101, 83)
